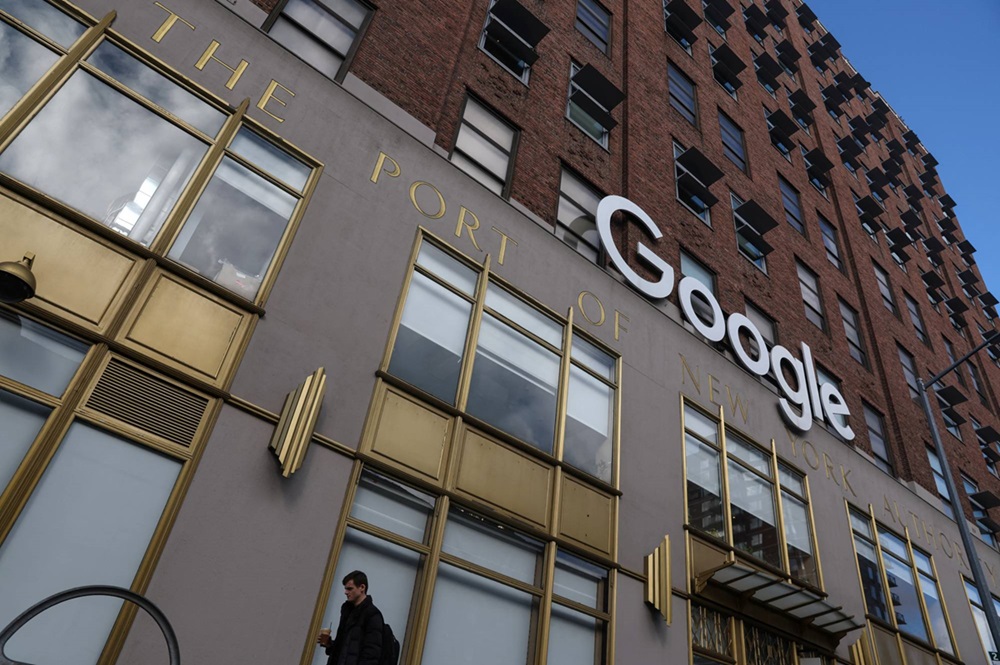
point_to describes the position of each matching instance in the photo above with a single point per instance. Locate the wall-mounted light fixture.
(17, 283)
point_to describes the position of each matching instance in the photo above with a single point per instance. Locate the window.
(979, 614)
(853, 333)
(977, 382)
(780, 129)
(918, 323)
(749, 239)
(680, 22)
(989, 452)
(809, 287)
(693, 174)
(692, 267)
(830, 242)
(950, 350)
(485, 147)
(817, 165)
(978, 512)
(790, 201)
(757, 530)
(876, 438)
(909, 371)
(913, 586)
(681, 91)
(482, 563)
(324, 33)
(732, 142)
(575, 219)
(716, 15)
(510, 36)
(591, 98)
(726, 68)
(594, 21)
(939, 482)
(129, 171)
(882, 277)
(519, 355)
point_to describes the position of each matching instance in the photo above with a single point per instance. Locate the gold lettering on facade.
(462, 224)
(713, 390)
(844, 473)
(413, 199)
(831, 473)
(619, 328)
(686, 369)
(269, 95)
(946, 546)
(742, 404)
(807, 448)
(892, 509)
(583, 309)
(990, 572)
(209, 54)
(380, 167)
(504, 238)
(172, 18)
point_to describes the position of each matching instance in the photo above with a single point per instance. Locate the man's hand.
(323, 639)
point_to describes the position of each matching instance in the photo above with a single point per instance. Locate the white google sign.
(799, 402)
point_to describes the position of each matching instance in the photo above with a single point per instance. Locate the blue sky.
(937, 63)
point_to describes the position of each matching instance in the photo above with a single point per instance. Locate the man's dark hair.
(359, 579)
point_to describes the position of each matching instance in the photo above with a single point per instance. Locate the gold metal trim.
(472, 337)
(814, 539)
(562, 397)
(776, 485)
(426, 592)
(658, 579)
(545, 610)
(290, 441)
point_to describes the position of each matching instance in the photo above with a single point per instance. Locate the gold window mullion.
(812, 533)
(562, 390)
(919, 588)
(472, 337)
(545, 610)
(52, 80)
(199, 180)
(617, 431)
(886, 589)
(944, 608)
(426, 591)
(727, 511)
(776, 486)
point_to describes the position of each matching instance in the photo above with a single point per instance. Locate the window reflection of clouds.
(22, 62)
(46, 19)
(157, 88)
(233, 232)
(270, 158)
(100, 170)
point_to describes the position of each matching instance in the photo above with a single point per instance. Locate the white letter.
(800, 396)
(607, 207)
(736, 322)
(811, 379)
(833, 406)
(688, 287)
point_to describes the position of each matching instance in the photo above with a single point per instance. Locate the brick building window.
(939, 482)
(510, 36)
(885, 289)
(575, 219)
(594, 21)
(809, 286)
(485, 147)
(978, 511)
(853, 332)
(916, 319)
(909, 366)
(790, 201)
(876, 438)
(682, 96)
(830, 242)
(732, 142)
(324, 33)
(591, 99)
(748, 240)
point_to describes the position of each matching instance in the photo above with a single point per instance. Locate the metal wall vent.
(148, 402)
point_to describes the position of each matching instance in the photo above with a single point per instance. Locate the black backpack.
(390, 646)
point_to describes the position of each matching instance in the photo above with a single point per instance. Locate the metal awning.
(756, 217)
(934, 246)
(780, 595)
(727, 57)
(951, 395)
(966, 247)
(807, 18)
(910, 219)
(682, 19)
(800, 100)
(988, 434)
(700, 166)
(869, 206)
(818, 162)
(986, 499)
(967, 276)
(931, 278)
(988, 299)
(946, 201)
(956, 305)
(899, 237)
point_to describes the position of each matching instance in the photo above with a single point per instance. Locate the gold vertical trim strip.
(814, 538)
(881, 564)
(472, 336)
(397, 316)
(562, 398)
(612, 608)
(426, 593)
(944, 606)
(290, 441)
(776, 484)
(323, 597)
(52, 79)
(617, 442)
(925, 617)
(658, 585)
(545, 611)
(727, 510)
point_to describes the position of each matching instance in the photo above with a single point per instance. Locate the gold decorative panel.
(586, 516)
(766, 648)
(711, 630)
(886, 646)
(412, 435)
(294, 431)
(79, 277)
(917, 656)
(500, 476)
(658, 579)
(186, 327)
(705, 557)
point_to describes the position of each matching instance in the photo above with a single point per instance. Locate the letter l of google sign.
(797, 404)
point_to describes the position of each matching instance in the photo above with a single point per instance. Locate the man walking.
(359, 634)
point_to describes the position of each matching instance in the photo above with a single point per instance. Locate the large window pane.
(270, 158)
(392, 574)
(580, 581)
(38, 356)
(574, 638)
(392, 506)
(935, 613)
(514, 383)
(88, 521)
(46, 19)
(493, 546)
(105, 155)
(446, 267)
(22, 62)
(871, 579)
(22, 419)
(588, 424)
(431, 338)
(530, 319)
(704, 489)
(157, 88)
(477, 620)
(909, 618)
(798, 535)
(233, 232)
(752, 504)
